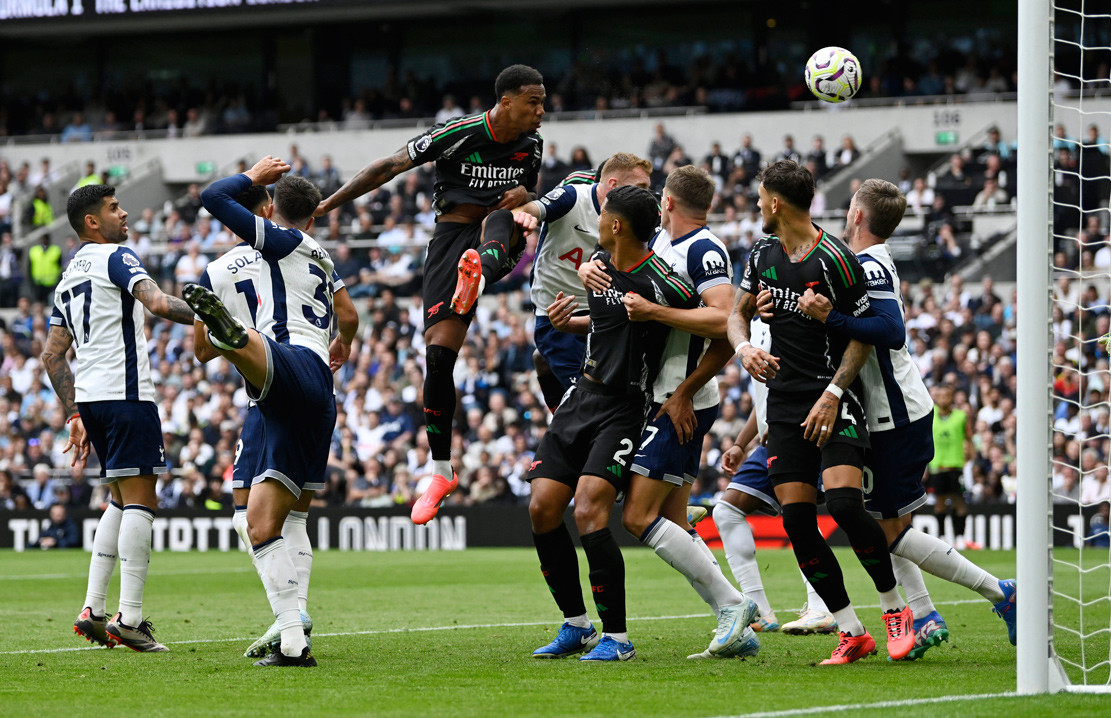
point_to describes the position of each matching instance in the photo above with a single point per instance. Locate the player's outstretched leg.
(224, 329)
(439, 410)
(92, 622)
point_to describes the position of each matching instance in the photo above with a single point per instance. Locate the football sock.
(814, 602)
(239, 523)
(279, 578)
(295, 531)
(846, 506)
(496, 252)
(891, 600)
(134, 549)
(942, 560)
(607, 578)
(443, 468)
(675, 546)
(815, 558)
(702, 591)
(582, 621)
(439, 400)
(103, 563)
(560, 565)
(847, 622)
(740, 552)
(909, 577)
(622, 637)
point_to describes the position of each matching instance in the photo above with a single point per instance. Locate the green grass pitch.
(449, 633)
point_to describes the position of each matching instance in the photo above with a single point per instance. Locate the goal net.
(1064, 310)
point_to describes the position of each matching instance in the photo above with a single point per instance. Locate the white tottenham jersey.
(235, 277)
(295, 285)
(701, 260)
(94, 302)
(894, 393)
(567, 238)
(761, 337)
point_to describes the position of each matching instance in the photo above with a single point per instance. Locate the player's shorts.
(592, 434)
(752, 478)
(126, 436)
(298, 411)
(563, 351)
(662, 457)
(791, 457)
(893, 470)
(947, 482)
(246, 451)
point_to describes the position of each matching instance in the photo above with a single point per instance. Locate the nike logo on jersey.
(584, 231)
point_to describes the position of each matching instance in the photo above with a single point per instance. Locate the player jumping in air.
(486, 164)
(586, 453)
(234, 279)
(288, 375)
(98, 308)
(816, 418)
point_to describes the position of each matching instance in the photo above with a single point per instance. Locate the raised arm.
(161, 304)
(372, 176)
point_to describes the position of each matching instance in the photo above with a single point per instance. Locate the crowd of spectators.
(379, 457)
(723, 77)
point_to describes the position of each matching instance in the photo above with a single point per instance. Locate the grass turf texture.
(451, 633)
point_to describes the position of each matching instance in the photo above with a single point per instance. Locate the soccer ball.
(833, 74)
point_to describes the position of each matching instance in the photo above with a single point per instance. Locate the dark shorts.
(246, 451)
(126, 436)
(298, 411)
(752, 479)
(563, 351)
(947, 482)
(441, 269)
(591, 434)
(791, 457)
(893, 470)
(662, 457)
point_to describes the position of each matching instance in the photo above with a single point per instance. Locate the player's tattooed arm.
(372, 176)
(757, 362)
(58, 342)
(856, 353)
(818, 426)
(161, 304)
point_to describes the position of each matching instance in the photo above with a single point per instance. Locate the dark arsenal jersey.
(625, 355)
(809, 354)
(472, 167)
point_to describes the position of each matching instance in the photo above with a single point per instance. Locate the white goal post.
(1039, 667)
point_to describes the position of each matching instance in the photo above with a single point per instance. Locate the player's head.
(295, 199)
(629, 213)
(256, 198)
(785, 187)
(689, 190)
(943, 396)
(877, 207)
(520, 92)
(623, 169)
(95, 214)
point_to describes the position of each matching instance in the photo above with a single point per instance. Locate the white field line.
(183, 572)
(422, 629)
(873, 706)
